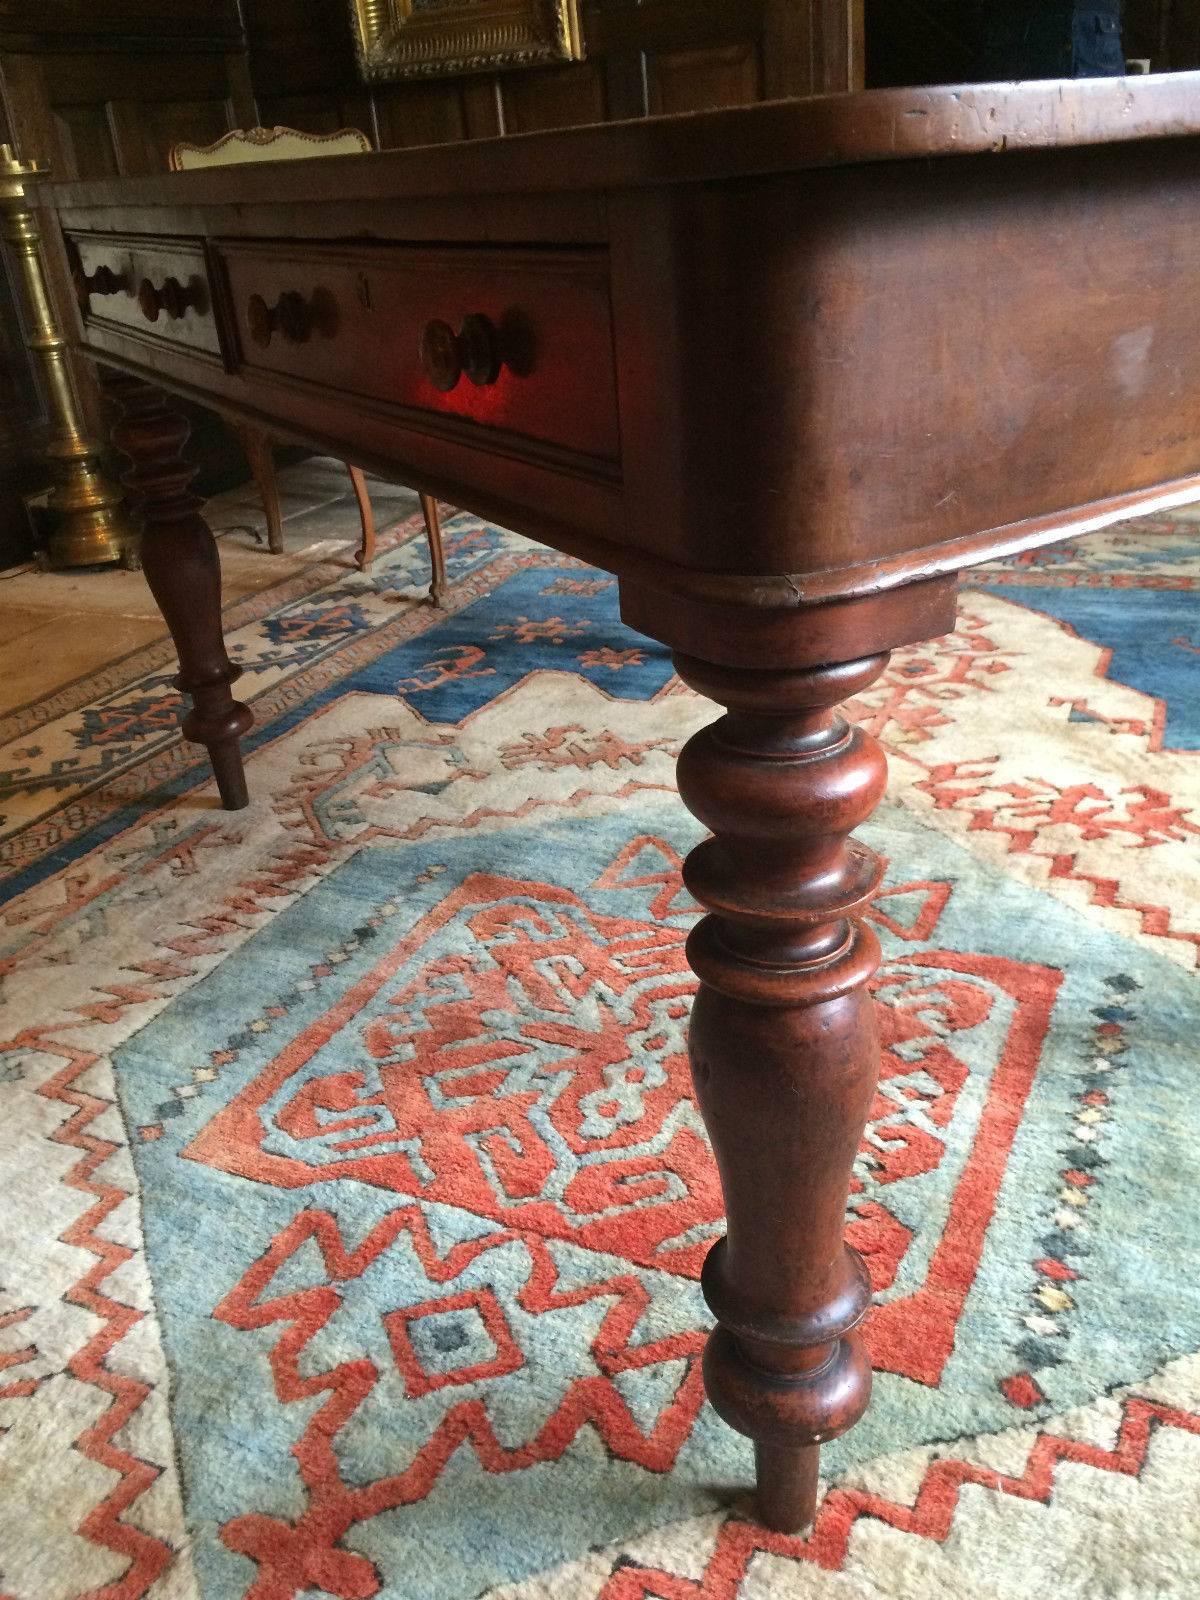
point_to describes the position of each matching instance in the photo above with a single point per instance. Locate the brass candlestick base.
(87, 520)
(88, 524)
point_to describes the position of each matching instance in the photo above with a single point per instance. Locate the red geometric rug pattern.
(568, 1128)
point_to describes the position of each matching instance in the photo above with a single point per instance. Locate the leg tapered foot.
(179, 557)
(784, 1053)
(230, 773)
(786, 1485)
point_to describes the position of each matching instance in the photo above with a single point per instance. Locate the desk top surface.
(923, 361)
(777, 136)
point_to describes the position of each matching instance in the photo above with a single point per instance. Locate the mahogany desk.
(784, 370)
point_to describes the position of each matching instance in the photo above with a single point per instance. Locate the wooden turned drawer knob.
(172, 297)
(474, 350)
(103, 281)
(292, 316)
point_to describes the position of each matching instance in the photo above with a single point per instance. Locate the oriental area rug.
(353, 1193)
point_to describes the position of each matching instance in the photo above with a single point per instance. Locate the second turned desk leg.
(784, 1052)
(179, 557)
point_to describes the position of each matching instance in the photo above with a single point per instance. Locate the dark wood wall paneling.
(644, 57)
(1165, 31)
(104, 89)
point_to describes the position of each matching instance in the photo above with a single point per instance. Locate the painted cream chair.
(289, 144)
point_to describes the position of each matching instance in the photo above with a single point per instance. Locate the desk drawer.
(516, 340)
(157, 288)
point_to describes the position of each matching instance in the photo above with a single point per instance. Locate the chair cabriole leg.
(439, 586)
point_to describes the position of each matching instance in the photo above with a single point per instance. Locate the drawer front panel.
(516, 340)
(155, 287)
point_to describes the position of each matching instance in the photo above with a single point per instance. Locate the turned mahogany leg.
(784, 1052)
(179, 557)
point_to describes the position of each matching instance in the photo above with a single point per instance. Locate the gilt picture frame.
(440, 38)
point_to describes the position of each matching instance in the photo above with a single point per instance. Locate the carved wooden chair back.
(267, 144)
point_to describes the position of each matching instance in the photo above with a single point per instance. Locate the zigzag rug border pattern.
(123, 943)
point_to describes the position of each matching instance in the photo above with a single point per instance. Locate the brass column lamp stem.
(88, 524)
